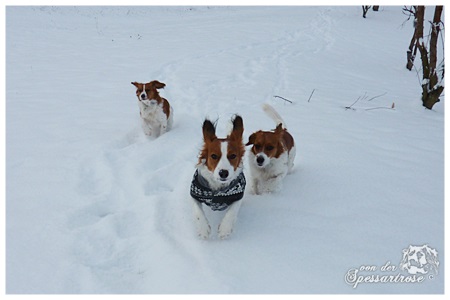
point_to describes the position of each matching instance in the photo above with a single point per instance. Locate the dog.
(219, 180)
(420, 260)
(271, 156)
(156, 112)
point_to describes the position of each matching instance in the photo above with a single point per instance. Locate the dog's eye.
(257, 146)
(214, 156)
(269, 148)
(232, 156)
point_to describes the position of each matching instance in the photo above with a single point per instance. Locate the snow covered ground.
(94, 206)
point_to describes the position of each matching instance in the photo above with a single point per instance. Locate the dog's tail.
(274, 115)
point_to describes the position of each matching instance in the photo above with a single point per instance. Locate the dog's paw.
(225, 230)
(255, 188)
(256, 192)
(203, 227)
(204, 231)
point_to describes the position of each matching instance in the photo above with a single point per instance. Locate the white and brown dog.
(219, 181)
(156, 112)
(271, 156)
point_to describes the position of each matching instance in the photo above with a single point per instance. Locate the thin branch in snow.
(378, 108)
(359, 98)
(383, 107)
(377, 96)
(311, 95)
(284, 99)
(364, 97)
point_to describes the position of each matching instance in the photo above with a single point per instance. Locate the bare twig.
(311, 95)
(364, 97)
(383, 107)
(359, 98)
(377, 96)
(380, 108)
(409, 11)
(365, 10)
(284, 99)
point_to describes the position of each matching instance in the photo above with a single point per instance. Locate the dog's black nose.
(143, 96)
(260, 160)
(223, 174)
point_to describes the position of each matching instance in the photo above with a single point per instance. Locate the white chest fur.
(269, 178)
(154, 120)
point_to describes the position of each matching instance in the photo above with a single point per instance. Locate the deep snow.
(94, 206)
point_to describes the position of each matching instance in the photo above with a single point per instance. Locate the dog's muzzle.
(260, 160)
(223, 174)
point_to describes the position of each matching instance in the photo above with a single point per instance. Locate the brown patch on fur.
(212, 153)
(272, 143)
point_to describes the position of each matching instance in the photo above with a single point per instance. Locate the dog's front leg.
(228, 221)
(163, 128)
(201, 222)
(146, 127)
(273, 184)
(162, 123)
(156, 130)
(256, 186)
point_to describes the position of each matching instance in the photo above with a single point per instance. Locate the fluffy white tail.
(273, 114)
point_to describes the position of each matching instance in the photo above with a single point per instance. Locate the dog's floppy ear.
(209, 130)
(136, 84)
(238, 127)
(251, 139)
(157, 85)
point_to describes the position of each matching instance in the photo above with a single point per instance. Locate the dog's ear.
(136, 84)
(238, 127)
(209, 130)
(251, 139)
(157, 85)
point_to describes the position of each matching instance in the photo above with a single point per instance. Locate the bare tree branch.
(377, 96)
(311, 95)
(284, 99)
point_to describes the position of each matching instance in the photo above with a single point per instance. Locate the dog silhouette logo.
(420, 260)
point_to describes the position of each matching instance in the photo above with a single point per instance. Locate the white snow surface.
(95, 206)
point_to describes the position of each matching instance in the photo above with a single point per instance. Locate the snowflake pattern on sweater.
(221, 199)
